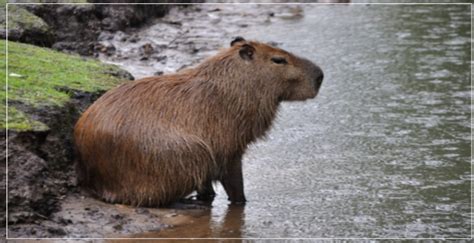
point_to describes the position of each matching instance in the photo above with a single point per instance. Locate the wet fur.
(155, 140)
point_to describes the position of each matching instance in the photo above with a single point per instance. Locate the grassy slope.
(36, 73)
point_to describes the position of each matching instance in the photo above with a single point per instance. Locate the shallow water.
(383, 151)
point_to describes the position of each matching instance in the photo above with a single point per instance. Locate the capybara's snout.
(318, 77)
(314, 74)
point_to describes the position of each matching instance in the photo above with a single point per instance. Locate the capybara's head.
(290, 76)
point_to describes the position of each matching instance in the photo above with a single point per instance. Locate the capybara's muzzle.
(314, 72)
(318, 80)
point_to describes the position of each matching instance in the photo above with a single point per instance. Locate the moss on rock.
(24, 26)
(20, 18)
(41, 77)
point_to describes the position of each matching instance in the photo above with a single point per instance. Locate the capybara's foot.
(206, 193)
(238, 202)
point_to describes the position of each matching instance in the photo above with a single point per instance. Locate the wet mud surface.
(76, 27)
(187, 35)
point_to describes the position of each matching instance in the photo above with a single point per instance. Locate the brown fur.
(155, 140)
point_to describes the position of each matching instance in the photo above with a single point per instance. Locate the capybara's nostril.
(319, 79)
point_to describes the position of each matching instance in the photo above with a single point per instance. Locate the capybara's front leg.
(233, 182)
(207, 192)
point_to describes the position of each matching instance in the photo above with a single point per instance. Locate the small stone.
(118, 227)
(134, 38)
(147, 49)
(57, 231)
(117, 216)
(171, 215)
(160, 58)
(142, 211)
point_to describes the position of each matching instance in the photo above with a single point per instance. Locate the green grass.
(18, 121)
(36, 73)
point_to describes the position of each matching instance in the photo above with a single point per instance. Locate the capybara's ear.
(246, 52)
(237, 39)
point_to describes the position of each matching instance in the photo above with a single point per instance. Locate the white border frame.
(288, 3)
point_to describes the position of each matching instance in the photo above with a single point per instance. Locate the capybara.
(155, 140)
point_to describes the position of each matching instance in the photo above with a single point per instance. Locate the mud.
(77, 27)
(187, 35)
(40, 166)
(82, 216)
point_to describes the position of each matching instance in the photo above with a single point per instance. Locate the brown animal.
(158, 139)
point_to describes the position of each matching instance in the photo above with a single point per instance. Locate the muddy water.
(383, 151)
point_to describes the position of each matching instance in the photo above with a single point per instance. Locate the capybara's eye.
(279, 60)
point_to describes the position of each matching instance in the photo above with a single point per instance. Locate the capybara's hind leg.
(207, 192)
(233, 183)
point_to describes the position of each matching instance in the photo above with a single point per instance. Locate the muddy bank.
(187, 35)
(41, 172)
(76, 27)
(44, 102)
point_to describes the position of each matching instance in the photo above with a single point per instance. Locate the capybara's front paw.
(238, 201)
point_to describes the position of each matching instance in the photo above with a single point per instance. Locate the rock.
(161, 59)
(121, 36)
(118, 227)
(142, 211)
(158, 73)
(57, 231)
(147, 49)
(134, 39)
(105, 36)
(25, 27)
(29, 191)
(171, 215)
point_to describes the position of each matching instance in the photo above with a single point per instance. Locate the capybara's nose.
(318, 80)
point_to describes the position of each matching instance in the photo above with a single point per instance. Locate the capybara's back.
(152, 141)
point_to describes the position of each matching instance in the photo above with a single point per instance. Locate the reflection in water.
(231, 226)
(204, 225)
(384, 151)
